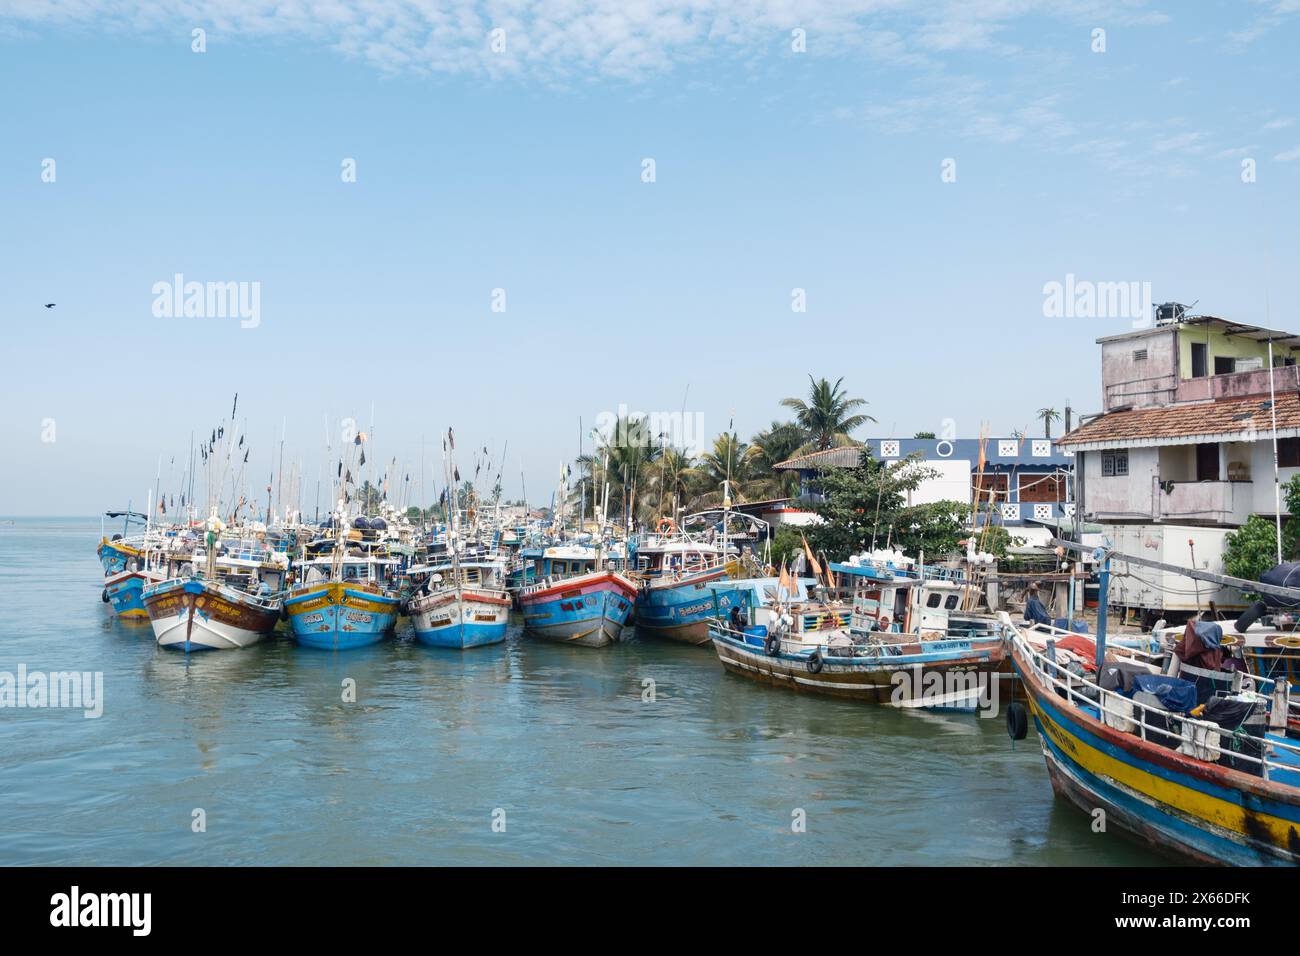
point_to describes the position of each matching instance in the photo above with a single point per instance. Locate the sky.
(506, 262)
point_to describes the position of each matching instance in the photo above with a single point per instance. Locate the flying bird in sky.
(49, 305)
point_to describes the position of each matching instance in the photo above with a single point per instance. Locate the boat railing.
(1053, 632)
(1085, 694)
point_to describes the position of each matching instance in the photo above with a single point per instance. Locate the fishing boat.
(902, 638)
(577, 598)
(675, 571)
(460, 601)
(1217, 782)
(115, 552)
(221, 595)
(124, 589)
(345, 597)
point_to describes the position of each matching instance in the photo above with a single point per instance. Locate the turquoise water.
(557, 741)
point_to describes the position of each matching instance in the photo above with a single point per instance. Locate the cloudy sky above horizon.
(919, 169)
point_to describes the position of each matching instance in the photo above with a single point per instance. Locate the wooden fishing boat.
(460, 601)
(576, 599)
(346, 598)
(675, 572)
(124, 589)
(1216, 792)
(227, 595)
(903, 640)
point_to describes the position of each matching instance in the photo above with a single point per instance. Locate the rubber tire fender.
(1017, 721)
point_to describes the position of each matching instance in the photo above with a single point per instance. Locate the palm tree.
(1048, 415)
(826, 415)
(768, 449)
(624, 458)
(728, 456)
(671, 483)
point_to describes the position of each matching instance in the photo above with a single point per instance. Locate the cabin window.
(1114, 464)
(933, 600)
(951, 602)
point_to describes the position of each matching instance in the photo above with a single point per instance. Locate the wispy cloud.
(1290, 156)
(572, 39)
(1274, 14)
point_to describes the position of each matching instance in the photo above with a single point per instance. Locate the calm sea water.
(557, 738)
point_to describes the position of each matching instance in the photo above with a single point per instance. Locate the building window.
(1041, 488)
(1224, 365)
(1114, 464)
(1288, 452)
(1198, 360)
(1140, 355)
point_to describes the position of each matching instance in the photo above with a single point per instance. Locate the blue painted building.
(1028, 483)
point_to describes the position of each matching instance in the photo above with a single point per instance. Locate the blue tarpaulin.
(1036, 613)
(1174, 693)
(1211, 634)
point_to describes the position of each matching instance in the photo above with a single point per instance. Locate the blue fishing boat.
(675, 571)
(902, 639)
(344, 600)
(124, 589)
(577, 598)
(117, 551)
(1194, 756)
(1219, 782)
(460, 601)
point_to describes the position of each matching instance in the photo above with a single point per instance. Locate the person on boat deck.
(737, 619)
(1035, 612)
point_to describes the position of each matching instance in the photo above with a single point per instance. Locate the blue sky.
(479, 170)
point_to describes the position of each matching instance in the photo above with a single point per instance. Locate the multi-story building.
(1024, 485)
(1182, 453)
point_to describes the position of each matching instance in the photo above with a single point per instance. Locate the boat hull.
(113, 557)
(474, 619)
(335, 616)
(125, 592)
(590, 610)
(195, 615)
(898, 680)
(1203, 811)
(680, 611)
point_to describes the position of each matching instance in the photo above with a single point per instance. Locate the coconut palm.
(671, 483)
(624, 459)
(769, 448)
(828, 415)
(1048, 415)
(729, 456)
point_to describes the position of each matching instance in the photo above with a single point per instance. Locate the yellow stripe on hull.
(333, 594)
(1172, 797)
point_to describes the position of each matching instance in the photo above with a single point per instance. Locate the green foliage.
(871, 500)
(828, 415)
(1251, 549)
(1291, 525)
(924, 435)
(996, 540)
(786, 543)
